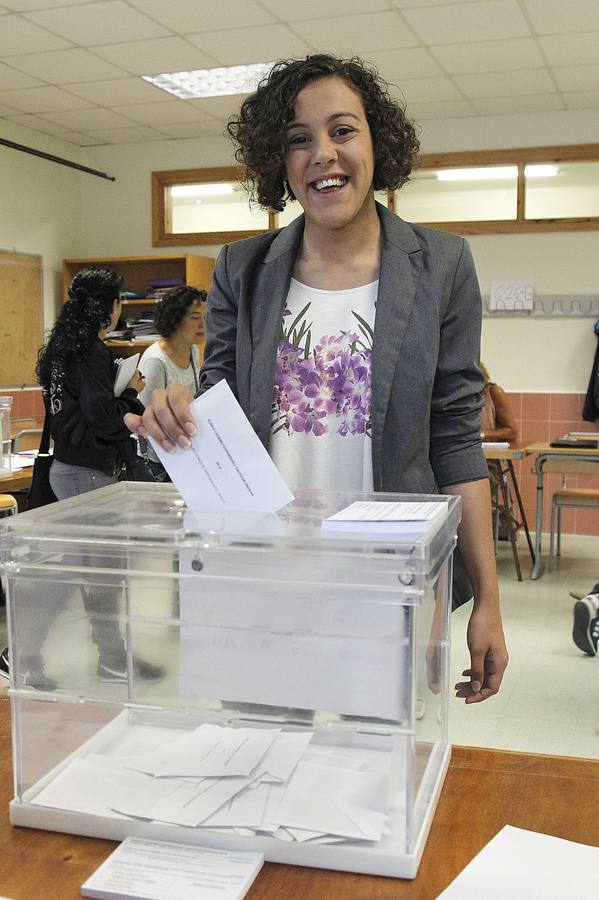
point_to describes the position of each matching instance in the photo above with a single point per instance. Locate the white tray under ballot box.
(278, 687)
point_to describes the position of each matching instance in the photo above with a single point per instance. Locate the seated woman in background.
(174, 359)
(497, 422)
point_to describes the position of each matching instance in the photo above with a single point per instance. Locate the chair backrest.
(26, 439)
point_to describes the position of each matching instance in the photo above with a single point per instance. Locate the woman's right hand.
(167, 419)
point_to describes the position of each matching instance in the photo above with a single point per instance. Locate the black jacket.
(87, 419)
(590, 411)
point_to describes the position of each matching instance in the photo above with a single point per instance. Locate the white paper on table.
(495, 445)
(372, 517)
(160, 870)
(526, 865)
(227, 466)
(316, 799)
(18, 462)
(211, 751)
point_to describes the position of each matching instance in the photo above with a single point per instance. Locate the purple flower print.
(328, 389)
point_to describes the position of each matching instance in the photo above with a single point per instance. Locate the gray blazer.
(426, 385)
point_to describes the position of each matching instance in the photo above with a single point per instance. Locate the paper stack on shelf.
(235, 780)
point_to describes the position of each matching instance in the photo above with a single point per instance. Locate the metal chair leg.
(559, 531)
(552, 533)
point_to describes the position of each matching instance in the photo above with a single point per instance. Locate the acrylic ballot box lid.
(152, 518)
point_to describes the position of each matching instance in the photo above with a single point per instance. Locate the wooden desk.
(501, 459)
(18, 481)
(546, 452)
(484, 790)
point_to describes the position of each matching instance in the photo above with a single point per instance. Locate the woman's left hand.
(488, 655)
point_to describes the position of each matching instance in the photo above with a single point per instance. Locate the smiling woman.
(351, 338)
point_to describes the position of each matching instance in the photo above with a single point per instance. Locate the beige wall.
(40, 206)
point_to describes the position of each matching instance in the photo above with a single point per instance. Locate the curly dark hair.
(259, 130)
(92, 293)
(171, 309)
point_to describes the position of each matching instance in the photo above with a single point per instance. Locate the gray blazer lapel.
(399, 273)
(269, 293)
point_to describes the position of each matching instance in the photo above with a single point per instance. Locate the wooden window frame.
(161, 181)
(519, 157)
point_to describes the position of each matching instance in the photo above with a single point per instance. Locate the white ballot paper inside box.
(226, 468)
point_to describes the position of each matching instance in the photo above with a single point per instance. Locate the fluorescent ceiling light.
(211, 82)
(495, 173)
(201, 190)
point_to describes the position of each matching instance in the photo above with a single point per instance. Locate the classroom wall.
(40, 206)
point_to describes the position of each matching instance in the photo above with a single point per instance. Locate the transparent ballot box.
(243, 681)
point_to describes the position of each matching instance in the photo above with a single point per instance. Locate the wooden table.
(18, 481)
(544, 453)
(484, 790)
(497, 457)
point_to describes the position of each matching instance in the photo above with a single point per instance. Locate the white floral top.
(320, 433)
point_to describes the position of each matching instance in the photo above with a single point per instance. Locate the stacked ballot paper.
(238, 780)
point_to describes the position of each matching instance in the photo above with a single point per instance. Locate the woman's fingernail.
(476, 686)
(184, 442)
(190, 428)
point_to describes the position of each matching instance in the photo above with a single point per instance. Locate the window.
(483, 192)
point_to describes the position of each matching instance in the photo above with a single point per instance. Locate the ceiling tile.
(162, 113)
(182, 16)
(250, 45)
(563, 49)
(66, 66)
(410, 62)
(129, 135)
(577, 78)
(504, 84)
(17, 35)
(452, 109)
(209, 128)
(489, 56)
(292, 11)
(98, 23)
(26, 5)
(429, 89)
(36, 123)
(581, 100)
(153, 57)
(87, 119)
(10, 79)
(460, 22)
(555, 16)
(128, 90)
(42, 100)
(377, 31)
(494, 106)
(75, 137)
(220, 107)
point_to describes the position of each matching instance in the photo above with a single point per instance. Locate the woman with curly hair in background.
(91, 443)
(351, 338)
(174, 359)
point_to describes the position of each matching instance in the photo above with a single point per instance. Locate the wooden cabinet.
(136, 272)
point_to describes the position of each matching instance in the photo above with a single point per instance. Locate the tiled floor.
(549, 702)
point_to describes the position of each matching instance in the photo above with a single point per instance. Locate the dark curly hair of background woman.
(260, 128)
(92, 293)
(170, 311)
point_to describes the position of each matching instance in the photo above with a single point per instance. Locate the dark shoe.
(585, 633)
(117, 674)
(37, 678)
(4, 664)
